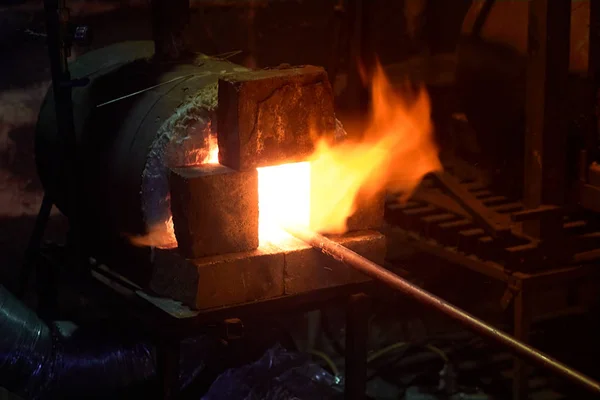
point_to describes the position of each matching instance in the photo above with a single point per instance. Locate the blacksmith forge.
(127, 149)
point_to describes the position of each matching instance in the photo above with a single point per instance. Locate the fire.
(162, 234)
(283, 199)
(213, 150)
(396, 151)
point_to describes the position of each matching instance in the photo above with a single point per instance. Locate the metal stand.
(167, 368)
(523, 319)
(357, 332)
(168, 330)
(33, 248)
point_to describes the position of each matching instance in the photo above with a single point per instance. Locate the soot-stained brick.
(215, 210)
(308, 269)
(219, 281)
(273, 116)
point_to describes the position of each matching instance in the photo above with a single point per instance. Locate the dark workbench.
(169, 323)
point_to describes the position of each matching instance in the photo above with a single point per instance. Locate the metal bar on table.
(381, 274)
(357, 322)
(495, 224)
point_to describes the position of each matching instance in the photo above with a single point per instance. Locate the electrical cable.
(367, 267)
(400, 345)
(326, 327)
(334, 369)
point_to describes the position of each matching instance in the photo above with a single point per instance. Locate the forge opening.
(283, 199)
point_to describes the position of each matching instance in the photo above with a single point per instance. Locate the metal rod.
(144, 90)
(381, 274)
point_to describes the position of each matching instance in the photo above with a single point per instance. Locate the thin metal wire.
(145, 90)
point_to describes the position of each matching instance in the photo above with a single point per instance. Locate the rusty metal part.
(546, 94)
(394, 281)
(482, 18)
(537, 213)
(594, 174)
(434, 215)
(357, 334)
(496, 224)
(590, 197)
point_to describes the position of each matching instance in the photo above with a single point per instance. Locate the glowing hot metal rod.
(381, 274)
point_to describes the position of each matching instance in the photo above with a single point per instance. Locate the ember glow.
(213, 150)
(162, 234)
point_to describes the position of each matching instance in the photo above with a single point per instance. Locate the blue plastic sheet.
(60, 360)
(277, 375)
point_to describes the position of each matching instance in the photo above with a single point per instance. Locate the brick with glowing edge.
(219, 281)
(271, 117)
(308, 269)
(268, 272)
(215, 210)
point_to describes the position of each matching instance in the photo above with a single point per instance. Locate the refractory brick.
(215, 210)
(273, 116)
(268, 272)
(240, 278)
(308, 269)
(219, 281)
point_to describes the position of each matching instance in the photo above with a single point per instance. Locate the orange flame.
(213, 150)
(396, 151)
(162, 234)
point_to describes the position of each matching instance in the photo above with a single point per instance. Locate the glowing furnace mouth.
(283, 200)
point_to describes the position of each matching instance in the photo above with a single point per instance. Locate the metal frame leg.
(357, 330)
(522, 328)
(167, 369)
(33, 248)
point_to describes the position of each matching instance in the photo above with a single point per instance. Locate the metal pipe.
(381, 274)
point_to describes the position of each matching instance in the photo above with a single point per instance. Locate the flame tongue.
(212, 157)
(396, 151)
